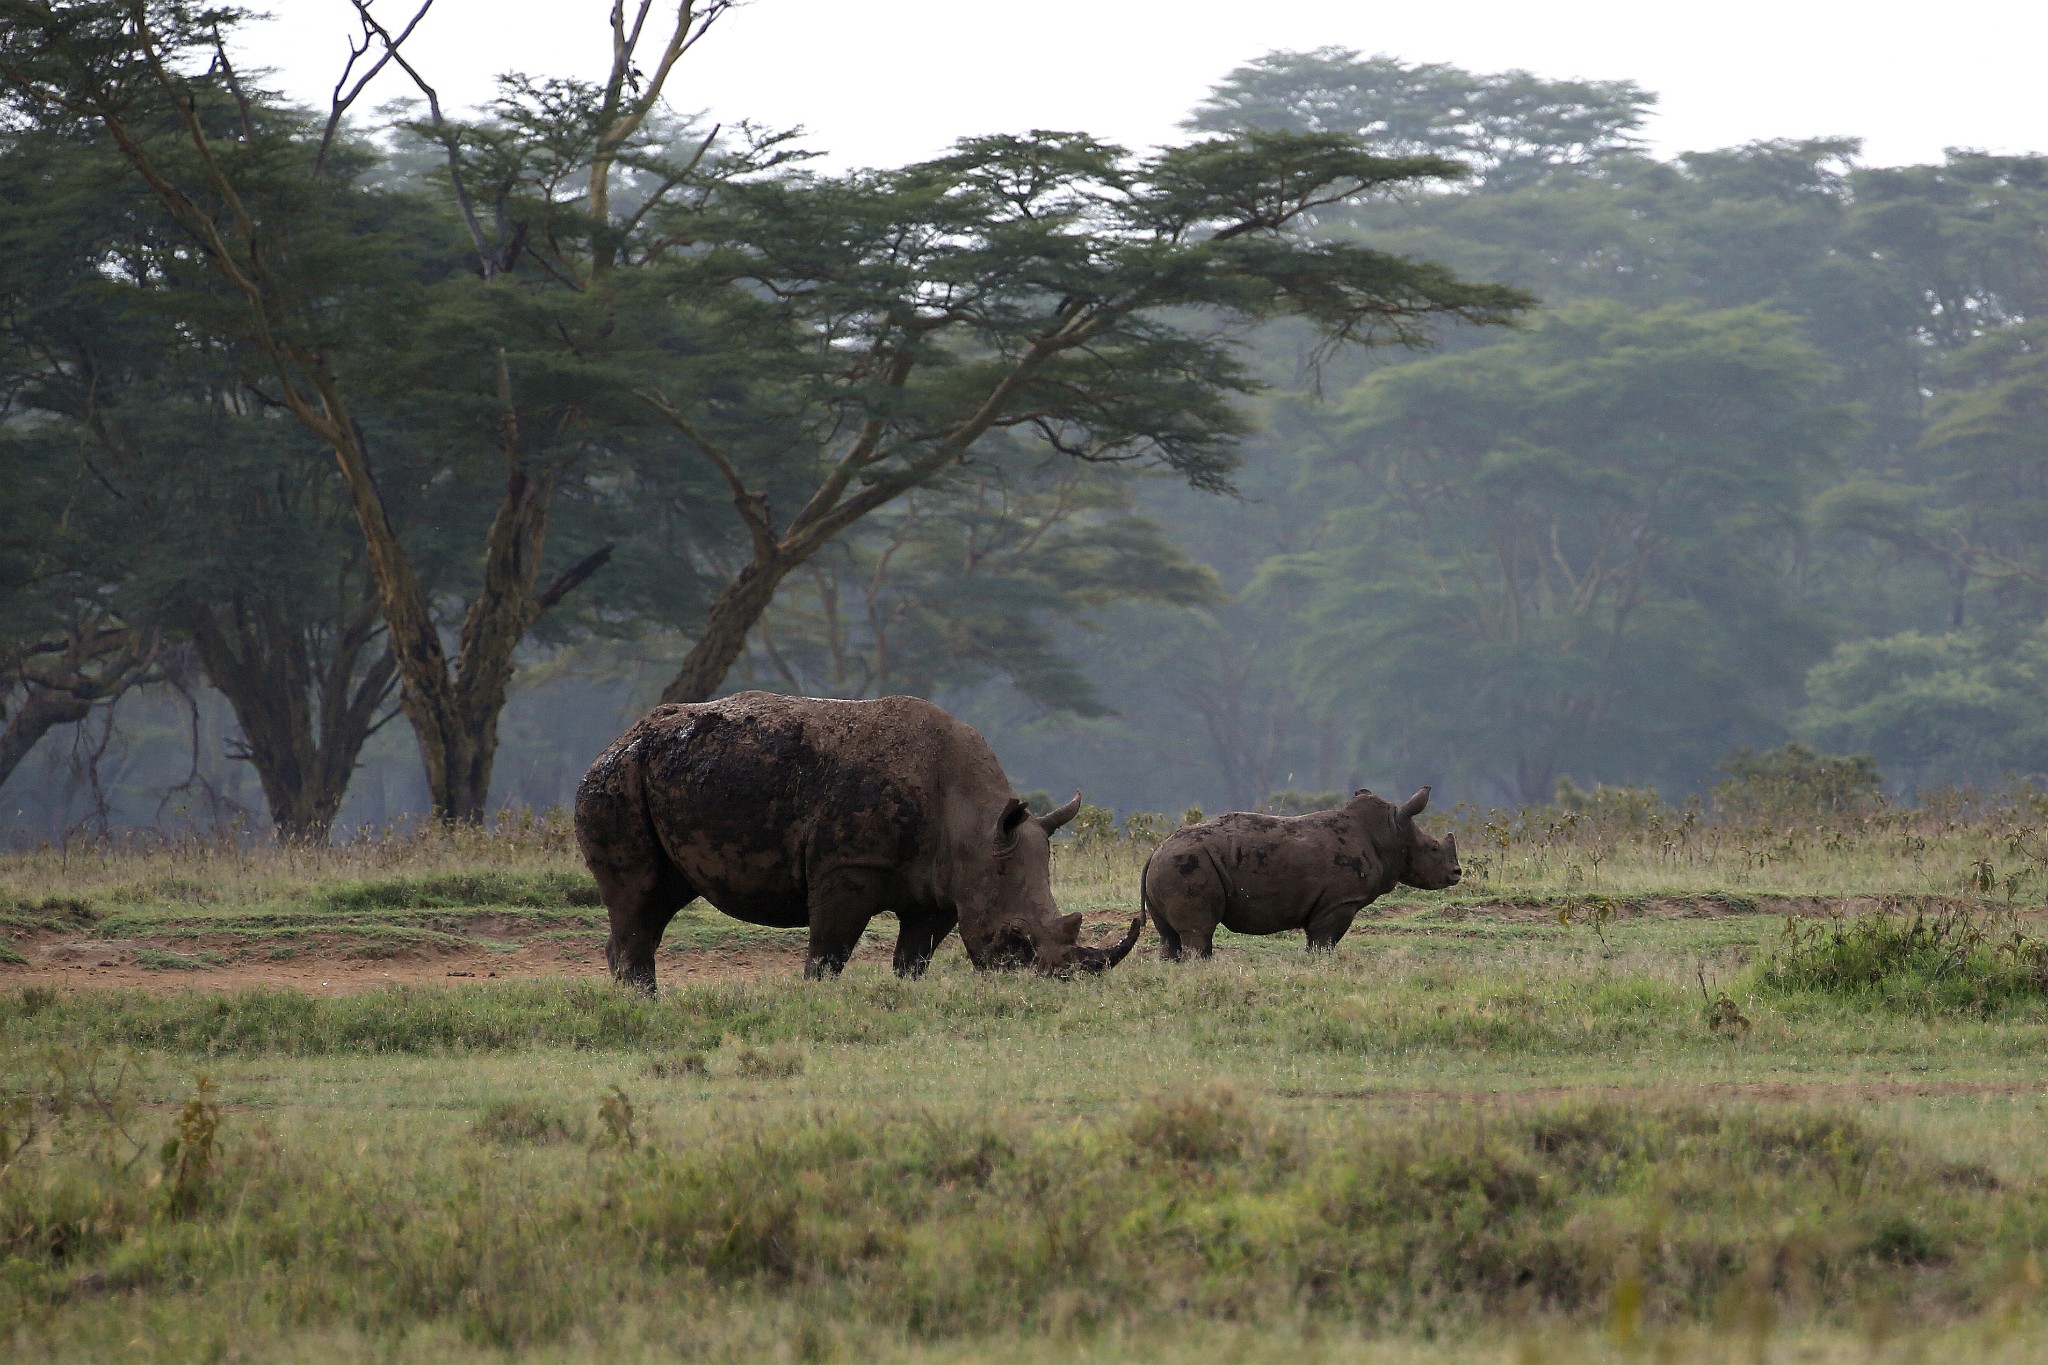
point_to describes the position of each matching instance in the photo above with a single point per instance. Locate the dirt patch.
(495, 926)
(343, 966)
(86, 951)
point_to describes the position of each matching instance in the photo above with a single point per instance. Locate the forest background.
(1764, 464)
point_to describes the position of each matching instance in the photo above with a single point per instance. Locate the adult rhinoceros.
(1265, 874)
(794, 812)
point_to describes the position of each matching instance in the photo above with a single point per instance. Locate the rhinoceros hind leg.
(918, 939)
(640, 906)
(1169, 938)
(1187, 942)
(841, 904)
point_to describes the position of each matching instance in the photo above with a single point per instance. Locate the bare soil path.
(69, 960)
(317, 969)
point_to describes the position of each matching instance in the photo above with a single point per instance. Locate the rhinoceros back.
(752, 796)
(1261, 874)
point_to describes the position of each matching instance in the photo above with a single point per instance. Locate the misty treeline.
(383, 446)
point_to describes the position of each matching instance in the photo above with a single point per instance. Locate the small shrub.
(617, 1117)
(1093, 825)
(1957, 958)
(1199, 1126)
(30, 1001)
(515, 1121)
(768, 1061)
(1629, 807)
(11, 957)
(678, 1066)
(1724, 1016)
(187, 1154)
(1147, 826)
(1795, 780)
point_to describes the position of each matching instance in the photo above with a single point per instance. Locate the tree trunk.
(304, 720)
(724, 637)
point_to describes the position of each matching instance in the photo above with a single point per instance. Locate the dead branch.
(344, 93)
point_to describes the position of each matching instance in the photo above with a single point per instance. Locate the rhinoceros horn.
(1102, 959)
(1053, 819)
(1415, 805)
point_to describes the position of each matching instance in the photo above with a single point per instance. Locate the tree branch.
(752, 507)
(572, 578)
(487, 260)
(618, 118)
(340, 101)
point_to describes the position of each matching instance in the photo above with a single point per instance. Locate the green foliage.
(159, 960)
(512, 1121)
(973, 578)
(49, 912)
(187, 1155)
(1944, 707)
(1511, 127)
(774, 1060)
(1957, 959)
(1302, 803)
(1628, 807)
(450, 890)
(1795, 781)
(616, 1115)
(955, 1227)
(1147, 827)
(1557, 552)
(1092, 825)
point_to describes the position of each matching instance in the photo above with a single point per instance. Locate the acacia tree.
(842, 341)
(255, 192)
(70, 639)
(130, 419)
(1510, 127)
(971, 579)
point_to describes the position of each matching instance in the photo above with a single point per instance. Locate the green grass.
(522, 882)
(1389, 1146)
(159, 960)
(1477, 1132)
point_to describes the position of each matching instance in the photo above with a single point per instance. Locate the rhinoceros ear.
(1015, 813)
(1053, 819)
(1070, 929)
(1415, 805)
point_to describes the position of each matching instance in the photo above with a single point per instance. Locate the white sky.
(881, 84)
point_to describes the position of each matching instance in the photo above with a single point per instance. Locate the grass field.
(1645, 1087)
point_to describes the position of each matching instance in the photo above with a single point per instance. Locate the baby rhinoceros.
(1265, 874)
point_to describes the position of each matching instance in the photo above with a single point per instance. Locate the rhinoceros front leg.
(919, 938)
(841, 904)
(1326, 928)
